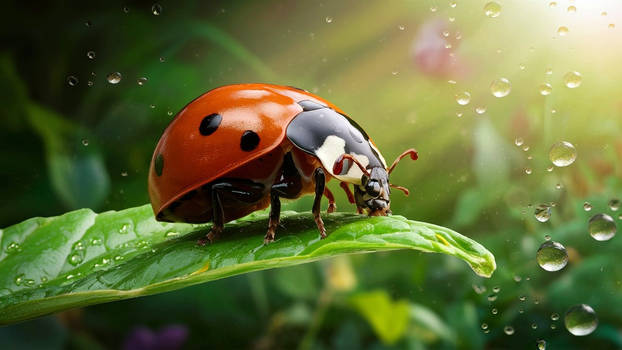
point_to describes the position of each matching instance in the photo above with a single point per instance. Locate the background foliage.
(386, 64)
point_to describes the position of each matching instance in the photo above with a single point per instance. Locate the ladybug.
(239, 148)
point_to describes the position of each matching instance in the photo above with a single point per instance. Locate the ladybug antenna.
(338, 166)
(403, 189)
(411, 152)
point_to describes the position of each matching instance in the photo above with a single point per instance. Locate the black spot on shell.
(158, 164)
(297, 88)
(249, 141)
(308, 105)
(209, 124)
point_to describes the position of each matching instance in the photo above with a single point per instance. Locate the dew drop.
(433, 8)
(545, 89)
(124, 173)
(492, 9)
(463, 98)
(548, 71)
(554, 316)
(562, 31)
(572, 79)
(329, 19)
(602, 227)
(114, 77)
(494, 311)
(542, 213)
(401, 27)
(89, 83)
(528, 171)
(171, 234)
(562, 154)
(580, 320)
(72, 80)
(96, 241)
(85, 142)
(13, 247)
(156, 9)
(169, 113)
(452, 19)
(88, 23)
(453, 4)
(19, 279)
(141, 81)
(459, 114)
(90, 55)
(521, 66)
(572, 9)
(124, 228)
(587, 206)
(75, 259)
(480, 110)
(549, 169)
(484, 326)
(509, 330)
(552, 256)
(445, 33)
(496, 289)
(500, 87)
(552, 4)
(547, 237)
(614, 204)
(604, 13)
(492, 297)
(519, 141)
(541, 343)
(522, 298)
(611, 26)
(558, 186)
(162, 59)
(534, 326)
(118, 258)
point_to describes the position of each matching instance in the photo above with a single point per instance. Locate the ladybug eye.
(373, 188)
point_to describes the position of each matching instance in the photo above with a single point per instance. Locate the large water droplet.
(463, 98)
(572, 79)
(562, 154)
(500, 87)
(114, 77)
(614, 204)
(581, 320)
(156, 9)
(492, 9)
(602, 227)
(552, 256)
(545, 89)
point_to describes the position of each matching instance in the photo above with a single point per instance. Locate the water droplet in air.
(492, 297)
(522, 298)
(453, 4)
(90, 55)
(329, 19)
(496, 289)
(541, 343)
(558, 186)
(114, 77)
(602, 227)
(580, 320)
(542, 213)
(552, 256)
(611, 26)
(96, 241)
(484, 326)
(88, 23)
(509, 330)
(572, 9)
(521, 66)
(554, 316)
(480, 109)
(459, 114)
(463, 98)
(548, 71)
(562, 154)
(494, 311)
(552, 4)
(547, 237)
(445, 33)
(500, 87)
(156, 9)
(89, 83)
(124, 173)
(614, 204)
(545, 89)
(141, 81)
(152, 106)
(528, 171)
(519, 141)
(492, 9)
(572, 79)
(169, 113)
(401, 27)
(85, 142)
(433, 8)
(72, 80)
(452, 82)
(452, 19)
(562, 31)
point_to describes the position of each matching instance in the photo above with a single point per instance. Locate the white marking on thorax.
(384, 162)
(331, 149)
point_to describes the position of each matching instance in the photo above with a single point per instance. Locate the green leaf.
(388, 318)
(82, 258)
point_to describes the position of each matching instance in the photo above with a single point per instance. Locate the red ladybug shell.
(185, 159)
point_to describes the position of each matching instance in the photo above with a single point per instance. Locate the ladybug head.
(374, 191)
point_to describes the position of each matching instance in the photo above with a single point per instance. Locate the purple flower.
(168, 338)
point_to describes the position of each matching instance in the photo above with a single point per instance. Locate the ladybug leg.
(275, 214)
(331, 201)
(232, 189)
(320, 185)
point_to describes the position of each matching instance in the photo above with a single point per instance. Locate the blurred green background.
(71, 139)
